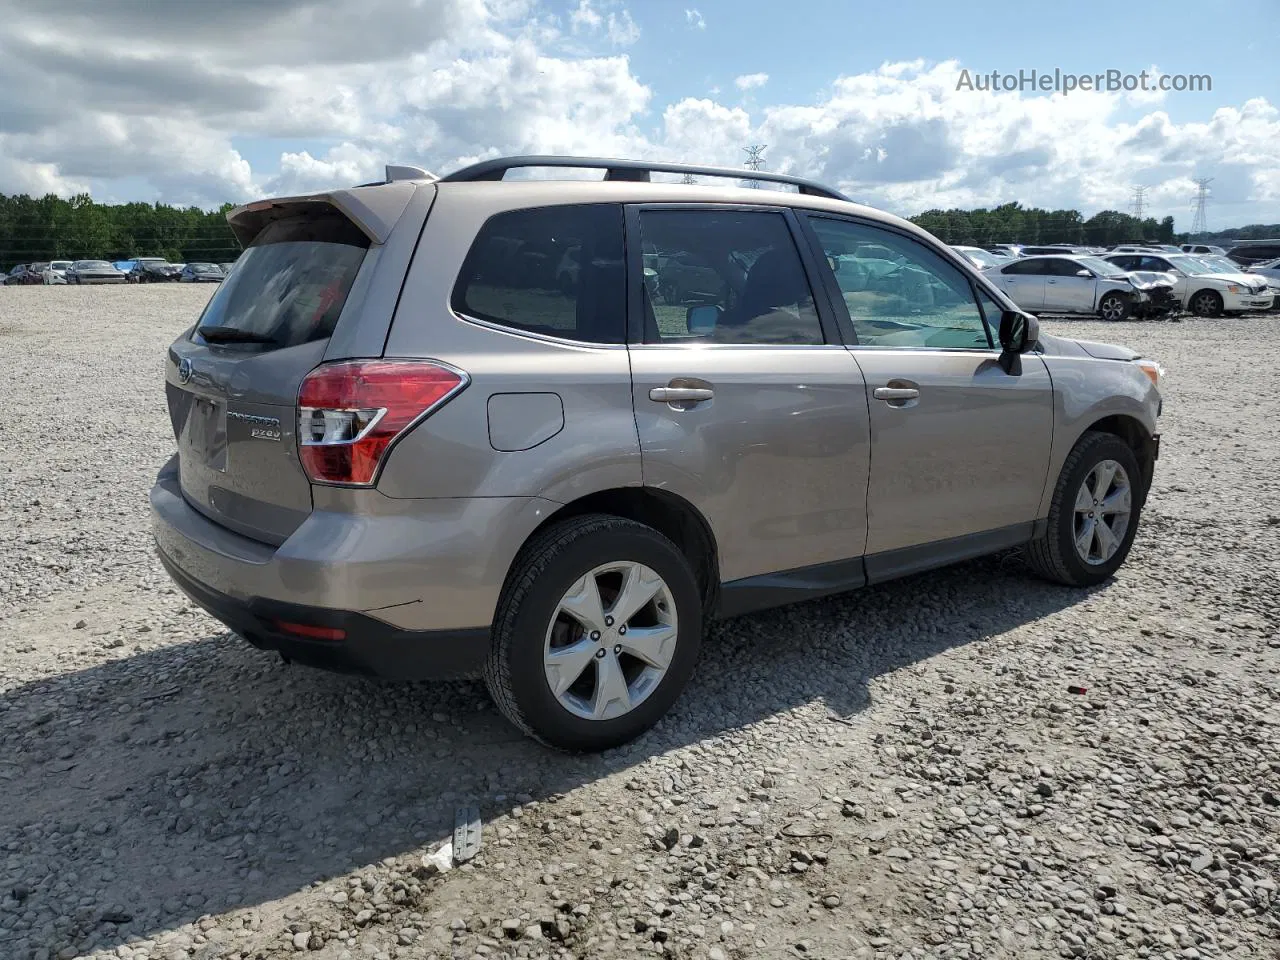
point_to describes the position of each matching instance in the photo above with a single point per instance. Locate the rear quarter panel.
(1087, 390)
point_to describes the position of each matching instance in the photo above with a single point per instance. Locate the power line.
(1200, 223)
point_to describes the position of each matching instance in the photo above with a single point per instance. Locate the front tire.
(1093, 516)
(1206, 303)
(1113, 307)
(596, 634)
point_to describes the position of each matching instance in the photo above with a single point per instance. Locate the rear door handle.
(680, 394)
(896, 393)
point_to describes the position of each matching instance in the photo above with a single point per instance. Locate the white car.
(1201, 248)
(56, 272)
(1270, 269)
(1082, 284)
(1204, 288)
(982, 259)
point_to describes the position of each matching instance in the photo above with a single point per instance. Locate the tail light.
(351, 413)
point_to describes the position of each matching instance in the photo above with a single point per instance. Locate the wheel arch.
(1136, 436)
(670, 514)
(1222, 301)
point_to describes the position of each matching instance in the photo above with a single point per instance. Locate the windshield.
(1193, 266)
(60, 264)
(203, 268)
(291, 283)
(1099, 266)
(93, 265)
(1220, 264)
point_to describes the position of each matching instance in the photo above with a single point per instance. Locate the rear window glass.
(290, 284)
(555, 271)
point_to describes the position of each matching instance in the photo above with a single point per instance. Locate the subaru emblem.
(184, 369)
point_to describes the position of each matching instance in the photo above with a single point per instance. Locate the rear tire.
(556, 569)
(1206, 303)
(1078, 510)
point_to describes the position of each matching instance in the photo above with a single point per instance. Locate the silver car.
(93, 271)
(406, 447)
(1082, 284)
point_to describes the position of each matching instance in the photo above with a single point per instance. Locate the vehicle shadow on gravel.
(199, 778)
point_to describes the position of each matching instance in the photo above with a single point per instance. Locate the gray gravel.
(896, 773)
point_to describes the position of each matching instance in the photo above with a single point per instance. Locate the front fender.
(1087, 390)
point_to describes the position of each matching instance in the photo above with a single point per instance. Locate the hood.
(1151, 278)
(1243, 279)
(1065, 347)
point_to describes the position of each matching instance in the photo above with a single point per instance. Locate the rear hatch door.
(232, 381)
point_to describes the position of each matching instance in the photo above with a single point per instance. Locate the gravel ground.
(900, 772)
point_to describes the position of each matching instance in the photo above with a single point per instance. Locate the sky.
(201, 103)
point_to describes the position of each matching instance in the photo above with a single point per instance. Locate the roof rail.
(632, 170)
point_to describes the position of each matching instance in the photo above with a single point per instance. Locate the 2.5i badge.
(260, 428)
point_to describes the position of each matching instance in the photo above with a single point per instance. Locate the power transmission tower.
(688, 178)
(755, 160)
(1139, 202)
(1200, 224)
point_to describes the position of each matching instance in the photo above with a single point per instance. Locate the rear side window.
(289, 285)
(555, 271)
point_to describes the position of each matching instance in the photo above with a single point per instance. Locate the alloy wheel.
(1104, 504)
(610, 641)
(1111, 308)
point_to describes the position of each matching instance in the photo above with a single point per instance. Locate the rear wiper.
(232, 335)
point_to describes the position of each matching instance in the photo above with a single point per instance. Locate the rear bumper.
(369, 647)
(415, 583)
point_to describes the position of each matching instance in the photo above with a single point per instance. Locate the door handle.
(680, 394)
(896, 393)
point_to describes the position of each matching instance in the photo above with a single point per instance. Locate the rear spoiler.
(374, 208)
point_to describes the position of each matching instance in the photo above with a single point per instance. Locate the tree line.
(51, 228)
(1014, 223)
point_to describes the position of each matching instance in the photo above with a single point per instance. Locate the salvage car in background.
(1088, 285)
(1248, 252)
(1202, 287)
(1199, 248)
(25, 274)
(982, 259)
(201, 273)
(93, 271)
(55, 273)
(154, 270)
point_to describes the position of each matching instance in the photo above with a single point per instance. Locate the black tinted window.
(557, 271)
(1032, 267)
(290, 284)
(1063, 268)
(723, 276)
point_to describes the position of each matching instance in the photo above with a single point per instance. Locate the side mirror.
(1019, 334)
(1083, 273)
(701, 320)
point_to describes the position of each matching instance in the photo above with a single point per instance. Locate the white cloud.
(694, 18)
(185, 115)
(617, 27)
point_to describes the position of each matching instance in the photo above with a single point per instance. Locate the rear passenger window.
(555, 271)
(730, 277)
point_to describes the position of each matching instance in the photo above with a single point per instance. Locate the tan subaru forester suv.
(545, 430)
